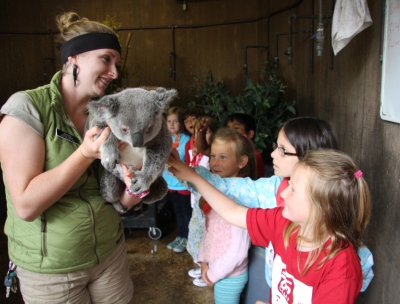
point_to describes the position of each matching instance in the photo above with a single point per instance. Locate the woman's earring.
(74, 74)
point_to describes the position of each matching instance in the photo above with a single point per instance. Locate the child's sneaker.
(174, 243)
(181, 246)
(195, 273)
(199, 283)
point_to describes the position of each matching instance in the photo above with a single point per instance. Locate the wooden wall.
(212, 36)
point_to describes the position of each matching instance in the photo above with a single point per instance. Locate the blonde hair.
(339, 202)
(178, 111)
(242, 147)
(71, 25)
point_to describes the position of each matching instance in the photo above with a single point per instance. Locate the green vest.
(79, 230)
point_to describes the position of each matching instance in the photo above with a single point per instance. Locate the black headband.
(89, 42)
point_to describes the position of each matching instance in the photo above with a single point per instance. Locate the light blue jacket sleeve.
(367, 261)
(260, 193)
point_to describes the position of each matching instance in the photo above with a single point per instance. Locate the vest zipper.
(92, 169)
(43, 231)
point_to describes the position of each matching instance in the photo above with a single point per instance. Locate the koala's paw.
(109, 163)
(119, 208)
(140, 182)
(158, 190)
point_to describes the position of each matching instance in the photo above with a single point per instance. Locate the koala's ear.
(164, 97)
(107, 105)
(112, 105)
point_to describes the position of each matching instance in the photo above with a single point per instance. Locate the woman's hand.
(90, 147)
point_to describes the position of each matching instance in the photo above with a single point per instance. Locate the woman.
(65, 241)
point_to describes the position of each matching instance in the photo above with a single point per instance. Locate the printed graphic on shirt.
(286, 288)
(269, 259)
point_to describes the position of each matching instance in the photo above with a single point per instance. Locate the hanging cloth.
(350, 17)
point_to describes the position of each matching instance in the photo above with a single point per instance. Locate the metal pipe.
(277, 35)
(172, 58)
(320, 31)
(290, 47)
(312, 40)
(189, 26)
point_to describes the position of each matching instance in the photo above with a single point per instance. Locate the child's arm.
(200, 140)
(223, 205)
(260, 193)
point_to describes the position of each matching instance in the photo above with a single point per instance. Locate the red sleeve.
(264, 224)
(260, 165)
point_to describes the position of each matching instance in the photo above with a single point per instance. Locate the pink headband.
(358, 174)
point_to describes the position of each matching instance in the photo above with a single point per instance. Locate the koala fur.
(135, 116)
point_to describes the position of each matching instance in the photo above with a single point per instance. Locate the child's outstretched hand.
(178, 168)
(201, 144)
(202, 124)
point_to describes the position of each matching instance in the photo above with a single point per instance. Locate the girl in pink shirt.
(224, 247)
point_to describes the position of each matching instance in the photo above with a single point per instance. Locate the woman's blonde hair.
(242, 147)
(340, 206)
(71, 25)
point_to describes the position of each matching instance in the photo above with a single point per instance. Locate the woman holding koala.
(66, 242)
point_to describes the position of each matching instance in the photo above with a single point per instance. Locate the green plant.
(263, 101)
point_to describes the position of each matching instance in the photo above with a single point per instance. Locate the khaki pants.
(108, 282)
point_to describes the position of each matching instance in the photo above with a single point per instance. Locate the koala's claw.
(138, 186)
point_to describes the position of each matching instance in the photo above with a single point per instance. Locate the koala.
(135, 117)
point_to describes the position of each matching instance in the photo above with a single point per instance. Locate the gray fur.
(135, 117)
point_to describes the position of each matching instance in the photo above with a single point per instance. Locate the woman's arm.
(223, 205)
(22, 155)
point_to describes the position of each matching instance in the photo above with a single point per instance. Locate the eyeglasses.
(282, 151)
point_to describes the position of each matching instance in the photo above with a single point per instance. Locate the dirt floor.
(158, 277)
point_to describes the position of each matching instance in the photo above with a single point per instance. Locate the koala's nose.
(137, 139)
